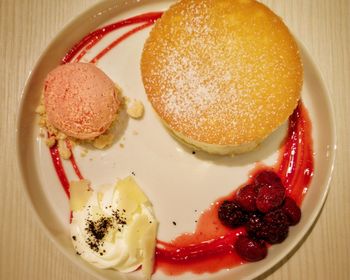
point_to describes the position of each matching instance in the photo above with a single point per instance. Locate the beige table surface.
(27, 26)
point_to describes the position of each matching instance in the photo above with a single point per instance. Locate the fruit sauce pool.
(211, 247)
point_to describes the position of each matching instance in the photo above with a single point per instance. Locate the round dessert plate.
(180, 184)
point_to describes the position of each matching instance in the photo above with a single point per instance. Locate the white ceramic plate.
(176, 181)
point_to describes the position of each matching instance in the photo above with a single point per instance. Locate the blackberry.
(276, 226)
(256, 227)
(231, 214)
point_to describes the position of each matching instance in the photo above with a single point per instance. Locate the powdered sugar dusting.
(214, 72)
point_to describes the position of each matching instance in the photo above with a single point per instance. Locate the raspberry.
(277, 226)
(246, 197)
(292, 211)
(250, 250)
(268, 177)
(231, 214)
(269, 197)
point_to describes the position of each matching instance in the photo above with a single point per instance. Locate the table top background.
(26, 28)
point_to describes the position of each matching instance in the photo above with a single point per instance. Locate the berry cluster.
(265, 211)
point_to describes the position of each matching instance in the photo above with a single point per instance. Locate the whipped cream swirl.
(116, 228)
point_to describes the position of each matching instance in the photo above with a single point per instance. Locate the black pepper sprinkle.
(174, 223)
(121, 220)
(193, 152)
(133, 173)
(74, 237)
(98, 229)
(78, 253)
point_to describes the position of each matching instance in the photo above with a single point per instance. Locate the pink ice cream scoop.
(80, 100)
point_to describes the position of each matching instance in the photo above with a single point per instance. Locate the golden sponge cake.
(221, 75)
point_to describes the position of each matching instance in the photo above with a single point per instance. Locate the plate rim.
(299, 238)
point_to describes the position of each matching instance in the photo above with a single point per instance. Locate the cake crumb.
(50, 141)
(103, 141)
(63, 150)
(61, 136)
(40, 109)
(135, 109)
(42, 122)
(84, 152)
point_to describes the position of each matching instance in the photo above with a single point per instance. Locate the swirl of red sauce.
(210, 247)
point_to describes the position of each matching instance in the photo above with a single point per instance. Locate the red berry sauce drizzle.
(215, 245)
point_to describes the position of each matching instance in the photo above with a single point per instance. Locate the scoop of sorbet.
(80, 100)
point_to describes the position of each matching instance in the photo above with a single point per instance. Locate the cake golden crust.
(223, 73)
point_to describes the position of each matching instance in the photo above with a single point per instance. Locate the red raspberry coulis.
(210, 248)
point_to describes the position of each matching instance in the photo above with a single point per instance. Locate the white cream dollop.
(110, 228)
